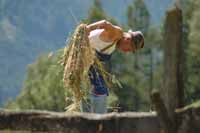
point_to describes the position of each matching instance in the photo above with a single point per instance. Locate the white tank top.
(98, 44)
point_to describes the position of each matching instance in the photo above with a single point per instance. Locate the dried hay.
(77, 59)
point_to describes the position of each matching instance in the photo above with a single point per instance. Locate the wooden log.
(79, 122)
(127, 122)
(162, 113)
(173, 90)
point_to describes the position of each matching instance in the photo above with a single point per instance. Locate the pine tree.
(138, 16)
(96, 13)
(193, 52)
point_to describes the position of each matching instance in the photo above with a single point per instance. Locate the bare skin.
(113, 33)
(125, 43)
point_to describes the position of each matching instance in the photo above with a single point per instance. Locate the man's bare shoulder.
(111, 32)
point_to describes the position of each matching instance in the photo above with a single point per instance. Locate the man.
(105, 37)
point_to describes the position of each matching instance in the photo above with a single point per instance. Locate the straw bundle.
(77, 59)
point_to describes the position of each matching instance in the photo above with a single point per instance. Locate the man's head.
(131, 41)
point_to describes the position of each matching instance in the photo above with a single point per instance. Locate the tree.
(43, 86)
(138, 16)
(193, 51)
(97, 13)
(131, 72)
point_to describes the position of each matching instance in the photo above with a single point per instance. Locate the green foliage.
(96, 13)
(133, 73)
(136, 71)
(43, 87)
(138, 16)
(193, 52)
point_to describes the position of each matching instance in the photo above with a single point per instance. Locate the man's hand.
(103, 24)
(87, 30)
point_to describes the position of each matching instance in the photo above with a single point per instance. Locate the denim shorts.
(95, 104)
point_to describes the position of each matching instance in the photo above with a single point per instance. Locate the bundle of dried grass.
(77, 59)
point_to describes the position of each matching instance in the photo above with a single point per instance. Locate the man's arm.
(110, 33)
(103, 24)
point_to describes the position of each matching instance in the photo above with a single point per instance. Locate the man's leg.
(98, 104)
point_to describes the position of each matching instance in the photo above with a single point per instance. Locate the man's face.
(125, 43)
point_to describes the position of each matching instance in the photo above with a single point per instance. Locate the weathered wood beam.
(79, 122)
(128, 122)
(162, 113)
(173, 87)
